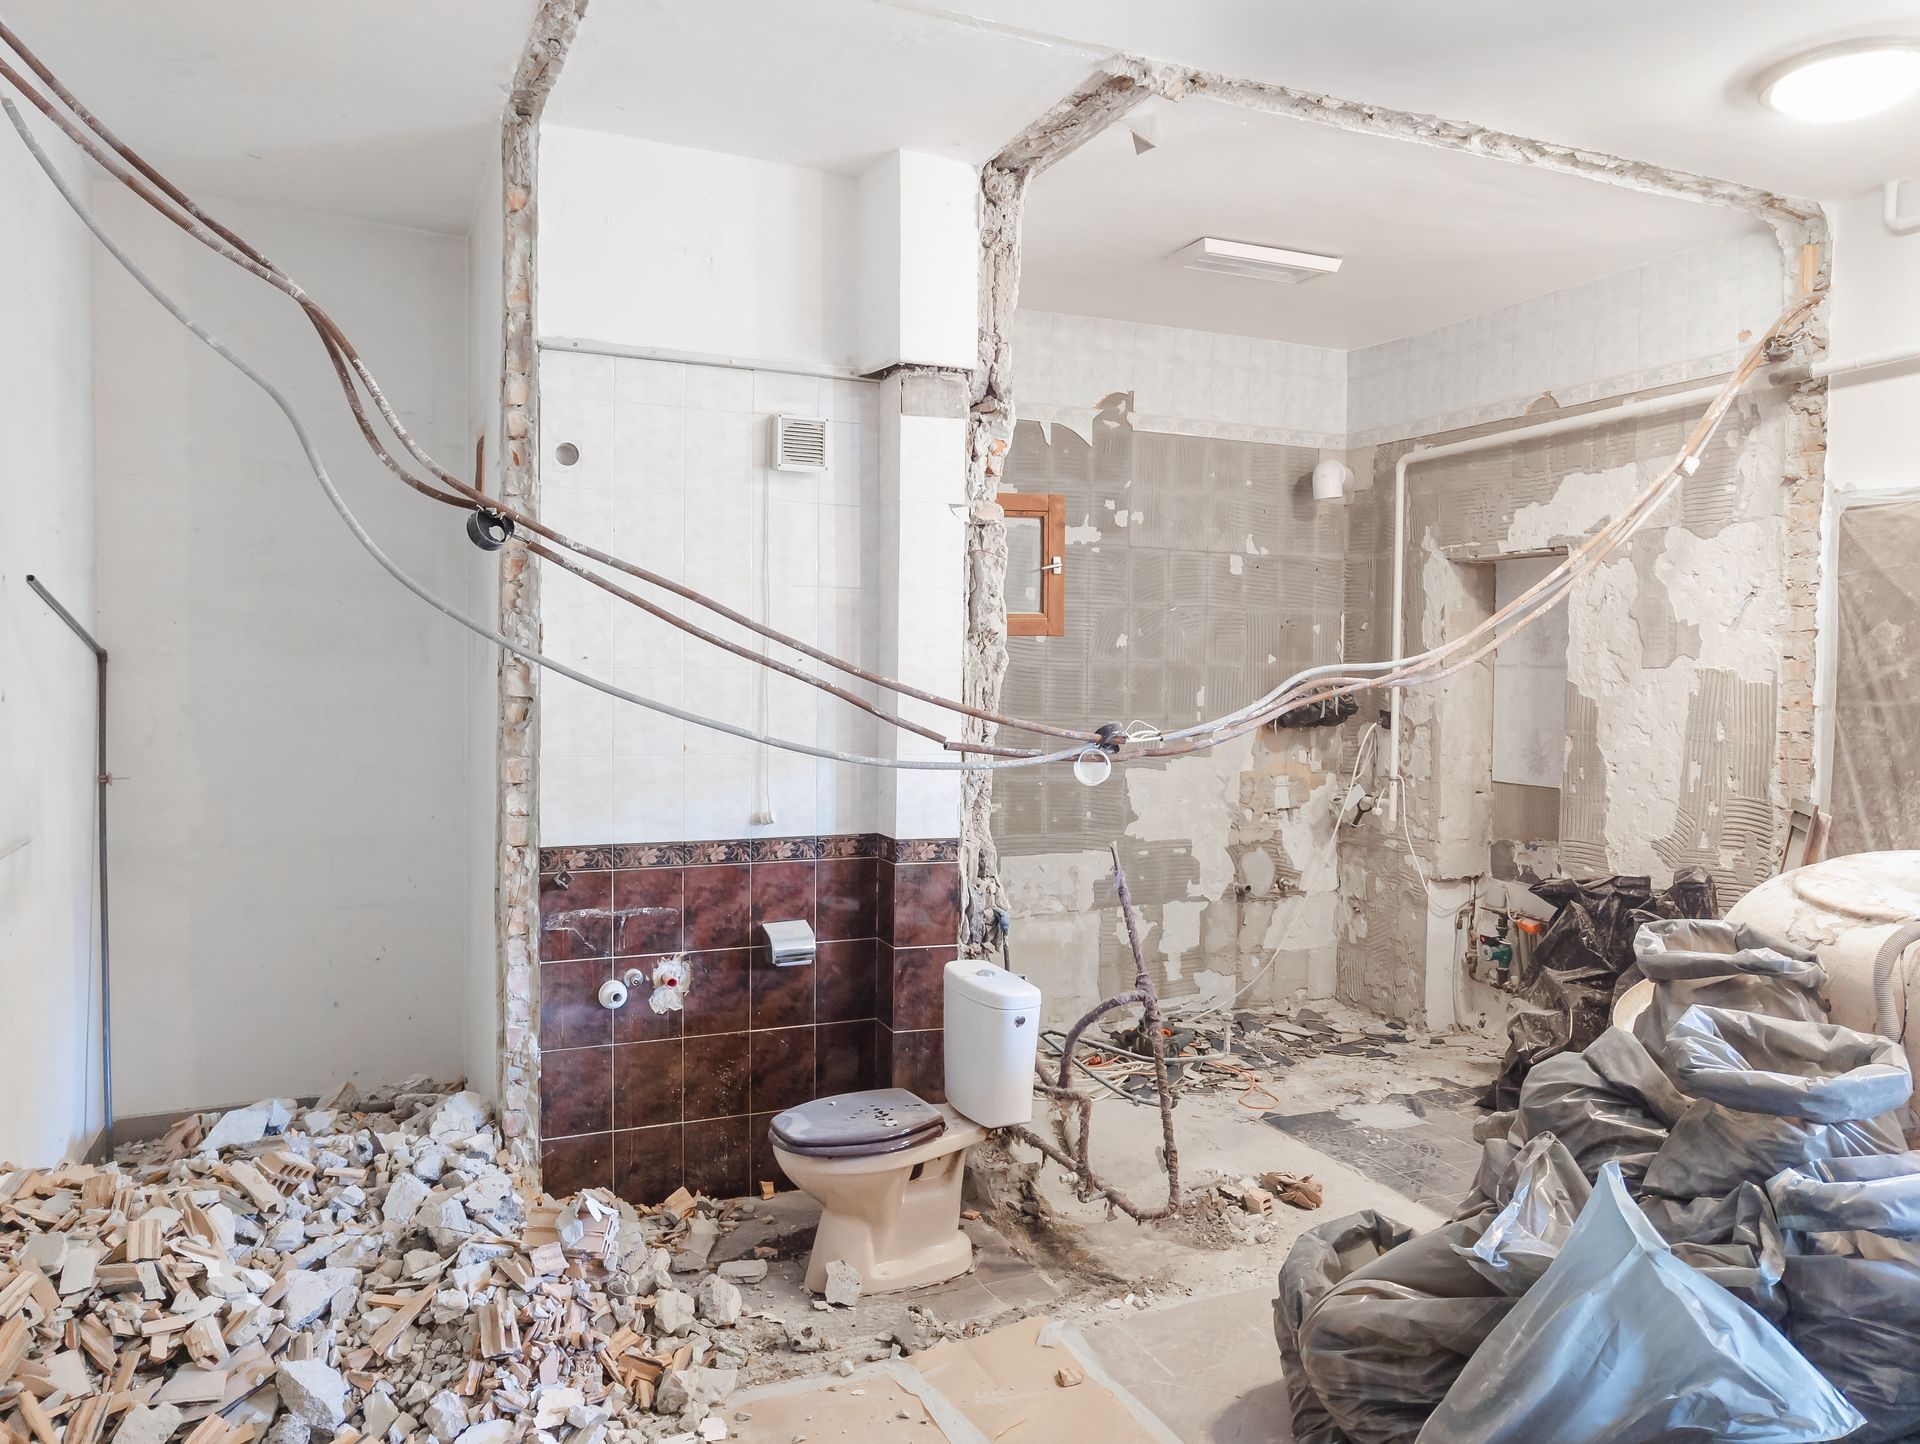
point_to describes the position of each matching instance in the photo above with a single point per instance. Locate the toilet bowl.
(886, 1167)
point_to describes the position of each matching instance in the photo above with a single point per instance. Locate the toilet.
(886, 1166)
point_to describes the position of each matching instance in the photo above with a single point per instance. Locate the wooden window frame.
(1050, 510)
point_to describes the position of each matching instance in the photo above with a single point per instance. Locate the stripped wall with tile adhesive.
(1676, 746)
(1677, 650)
(1199, 573)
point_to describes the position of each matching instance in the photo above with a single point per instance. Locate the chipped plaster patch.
(1060, 882)
(1584, 501)
(1193, 800)
(1729, 586)
(1180, 931)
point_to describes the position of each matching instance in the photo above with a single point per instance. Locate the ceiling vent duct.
(1242, 258)
(799, 443)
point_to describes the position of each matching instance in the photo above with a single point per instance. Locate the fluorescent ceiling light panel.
(1847, 81)
(1242, 258)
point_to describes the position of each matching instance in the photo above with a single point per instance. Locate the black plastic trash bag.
(1735, 1241)
(1609, 1103)
(1565, 992)
(1721, 965)
(1622, 1343)
(1774, 1093)
(1545, 1191)
(1878, 1195)
(1380, 1349)
(1853, 1282)
(1319, 1259)
(1817, 1071)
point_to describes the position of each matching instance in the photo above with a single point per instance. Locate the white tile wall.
(673, 474)
(1187, 382)
(1673, 319)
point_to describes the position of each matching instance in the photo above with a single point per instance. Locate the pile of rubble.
(365, 1269)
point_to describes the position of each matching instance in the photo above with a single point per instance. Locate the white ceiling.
(380, 110)
(1657, 80)
(387, 109)
(831, 84)
(1429, 236)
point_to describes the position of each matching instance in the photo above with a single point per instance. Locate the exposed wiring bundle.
(491, 524)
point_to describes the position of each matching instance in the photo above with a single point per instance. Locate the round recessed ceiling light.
(1843, 82)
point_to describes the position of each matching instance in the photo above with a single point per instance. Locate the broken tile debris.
(362, 1271)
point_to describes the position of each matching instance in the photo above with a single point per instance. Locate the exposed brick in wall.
(517, 748)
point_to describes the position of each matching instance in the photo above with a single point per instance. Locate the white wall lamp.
(1848, 80)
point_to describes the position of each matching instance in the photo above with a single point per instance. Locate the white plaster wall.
(290, 841)
(1183, 381)
(1529, 684)
(49, 1057)
(1876, 307)
(486, 300)
(1671, 319)
(919, 264)
(921, 607)
(664, 248)
(673, 473)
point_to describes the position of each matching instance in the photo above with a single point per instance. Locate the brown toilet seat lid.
(881, 1120)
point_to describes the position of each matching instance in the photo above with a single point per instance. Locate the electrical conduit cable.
(419, 589)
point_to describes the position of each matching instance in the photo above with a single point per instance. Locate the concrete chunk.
(685, 1390)
(403, 1200)
(312, 1391)
(719, 1301)
(310, 1292)
(488, 1431)
(672, 1311)
(843, 1284)
(445, 1416)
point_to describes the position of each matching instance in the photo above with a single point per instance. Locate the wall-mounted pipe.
(1890, 212)
(100, 781)
(1604, 416)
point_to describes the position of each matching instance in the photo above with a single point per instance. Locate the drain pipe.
(1788, 375)
(100, 781)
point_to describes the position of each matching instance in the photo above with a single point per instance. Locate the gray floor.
(1209, 1369)
(1419, 1144)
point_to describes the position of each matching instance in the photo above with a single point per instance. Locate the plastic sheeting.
(1610, 1103)
(1876, 689)
(1383, 1346)
(1548, 1191)
(1771, 1094)
(1721, 965)
(1853, 1278)
(1622, 1343)
(1879, 1195)
(1817, 1071)
(1319, 1259)
(1774, 1185)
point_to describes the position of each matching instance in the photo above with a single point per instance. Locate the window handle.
(1055, 568)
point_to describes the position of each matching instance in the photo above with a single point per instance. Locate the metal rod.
(100, 781)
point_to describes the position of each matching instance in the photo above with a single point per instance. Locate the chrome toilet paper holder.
(789, 944)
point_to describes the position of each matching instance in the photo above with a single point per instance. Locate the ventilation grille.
(799, 443)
